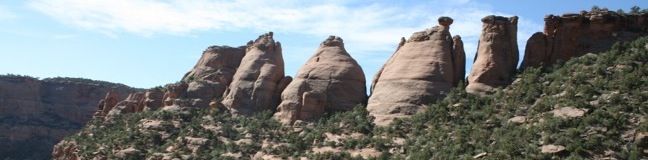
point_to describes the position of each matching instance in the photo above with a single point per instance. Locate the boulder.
(421, 71)
(571, 35)
(129, 153)
(256, 84)
(497, 55)
(330, 81)
(552, 149)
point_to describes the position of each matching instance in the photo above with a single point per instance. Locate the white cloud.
(367, 28)
(375, 24)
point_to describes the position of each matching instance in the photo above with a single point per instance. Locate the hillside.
(590, 107)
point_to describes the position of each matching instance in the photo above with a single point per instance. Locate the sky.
(147, 43)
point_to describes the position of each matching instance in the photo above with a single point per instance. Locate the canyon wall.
(35, 114)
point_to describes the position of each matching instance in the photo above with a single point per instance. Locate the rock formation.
(497, 55)
(213, 73)
(331, 80)
(205, 83)
(217, 64)
(153, 99)
(105, 105)
(459, 60)
(109, 107)
(421, 71)
(174, 92)
(257, 84)
(35, 114)
(133, 103)
(572, 35)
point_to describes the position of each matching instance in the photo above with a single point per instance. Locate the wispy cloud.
(371, 30)
(374, 24)
(6, 14)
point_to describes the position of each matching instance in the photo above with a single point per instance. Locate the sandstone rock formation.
(174, 92)
(65, 150)
(421, 71)
(35, 114)
(106, 104)
(204, 84)
(571, 35)
(109, 107)
(459, 60)
(153, 99)
(257, 84)
(497, 55)
(133, 103)
(217, 64)
(331, 80)
(213, 73)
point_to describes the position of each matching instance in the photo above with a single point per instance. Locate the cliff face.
(35, 114)
(571, 35)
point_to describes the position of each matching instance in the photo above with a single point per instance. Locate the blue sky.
(146, 43)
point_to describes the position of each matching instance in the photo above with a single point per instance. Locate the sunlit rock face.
(422, 69)
(330, 81)
(497, 55)
(259, 80)
(571, 35)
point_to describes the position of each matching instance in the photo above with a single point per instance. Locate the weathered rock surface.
(153, 99)
(330, 81)
(421, 71)
(174, 92)
(497, 55)
(552, 149)
(568, 112)
(217, 64)
(213, 73)
(200, 87)
(571, 35)
(36, 114)
(65, 150)
(133, 103)
(459, 60)
(256, 85)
